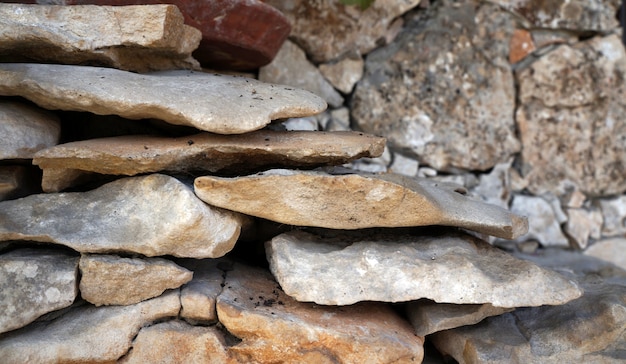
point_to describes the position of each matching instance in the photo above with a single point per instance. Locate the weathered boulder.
(34, 282)
(428, 317)
(327, 29)
(570, 119)
(591, 329)
(342, 270)
(86, 334)
(134, 38)
(231, 154)
(291, 67)
(26, 129)
(151, 215)
(275, 328)
(355, 201)
(177, 342)
(113, 280)
(443, 91)
(197, 99)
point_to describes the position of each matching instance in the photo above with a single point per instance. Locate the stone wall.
(414, 181)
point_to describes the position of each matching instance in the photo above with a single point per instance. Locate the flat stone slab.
(356, 201)
(275, 328)
(211, 102)
(344, 269)
(86, 334)
(26, 129)
(134, 38)
(150, 215)
(113, 280)
(591, 329)
(231, 154)
(34, 282)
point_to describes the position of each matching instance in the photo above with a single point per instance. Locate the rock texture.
(151, 215)
(428, 317)
(614, 214)
(442, 92)
(252, 152)
(177, 342)
(113, 280)
(570, 119)
(543, 223)
(320, 199)
(610, 250)
(34, 282)
(198, 297)
(591, 329)
(134, 38)
(583, 225)
(290, 67)
(450, 269)
(161, 95)
(275, 328)
(344, 74)
(86, 334)
(328, 29)
(26, 129)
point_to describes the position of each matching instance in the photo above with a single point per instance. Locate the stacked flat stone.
(128, 257)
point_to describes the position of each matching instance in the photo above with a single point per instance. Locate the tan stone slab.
(134, 38)
(277, 329)
(355, 201)
(151, 215)
(198, 296)
(211, 102)
(113, 280)
(240, 154)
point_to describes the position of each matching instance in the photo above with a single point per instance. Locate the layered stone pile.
(169, 216)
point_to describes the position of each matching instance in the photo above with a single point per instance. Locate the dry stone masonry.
(462, 199)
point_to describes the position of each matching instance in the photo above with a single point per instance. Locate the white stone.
(612, 250)
(343, 74)
(614, 213)
(542, 222)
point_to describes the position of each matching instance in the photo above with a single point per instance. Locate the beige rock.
(570, 119)
(444, 94)
(26, 129)
(34, 282)
(591, 329)
(610, 250)
(177, 342)
(150, 215)
(198, 296)
(328, 29)
(290, 67)
(86, 334)
(275, 328)
(344, 74)
(543, 224)
(583, 225)
(428, 317)
(197, 99)
(614, 214)
(404, 165)
(18, 181)
(134, 38)
(342, 270)
(240, 154)
(355, 201)
(495, 187)
(113, 280)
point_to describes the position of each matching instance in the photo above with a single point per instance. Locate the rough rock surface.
(177, 342)
(543, 223)
(428, 317)
(327, 29)
(583, 225)
(444, 91)
(151, 215)
(495, 187)
(611, 250)
(571, 119)
(275, 328)
(198, 296)
(162, 95)
(26, 129)
(321, 199)
(343, 74)
(591, 329)
(134, 38)
(614, 214)
(290, 67)
(342, 270)
(113, 280)
(86, 334)
(251, 152)
(579, 15)
(34, 282)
